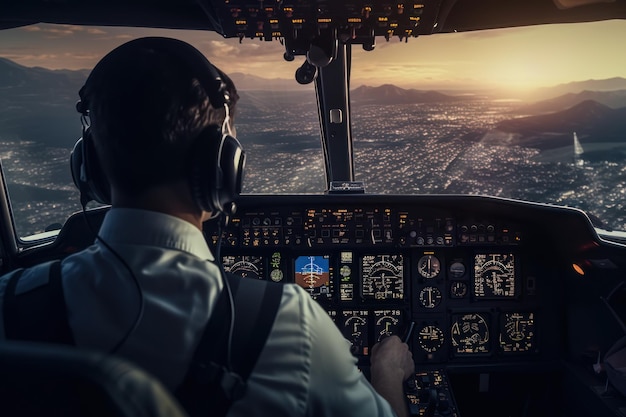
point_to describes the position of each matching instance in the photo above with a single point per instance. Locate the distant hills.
(609, 84)
(390, 94)
(39, 104)
(614, 99)
(592, 121)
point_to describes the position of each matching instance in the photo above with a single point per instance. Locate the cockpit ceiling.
(247, 18)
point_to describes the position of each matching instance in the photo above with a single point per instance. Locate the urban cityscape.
(451, 147)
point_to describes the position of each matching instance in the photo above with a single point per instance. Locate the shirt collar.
(143, 227)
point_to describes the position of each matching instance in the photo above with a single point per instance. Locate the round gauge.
(355, 330)
(385, 326)
(517, 331)
(458, 289)
(494, 275)
(470, 333)
(430, 297)
(276, 275)
(428, 266)
(430, 338)
(345, 271)
(457, 270)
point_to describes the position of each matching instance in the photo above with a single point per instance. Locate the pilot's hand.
(391, 364)
(391, 357)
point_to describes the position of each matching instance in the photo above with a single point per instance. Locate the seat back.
(53, 380)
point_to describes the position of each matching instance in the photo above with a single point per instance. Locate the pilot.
(152, 115)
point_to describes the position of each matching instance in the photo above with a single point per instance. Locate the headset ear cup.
(232, 164)
(87, 173)
(76, 164)
(216, 170)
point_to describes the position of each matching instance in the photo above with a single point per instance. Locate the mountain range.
(39, 104)
(609, 84)
(614, 99)
(390, 94)
(592, 121)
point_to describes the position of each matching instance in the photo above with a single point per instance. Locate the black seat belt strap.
(37, 314)
(256, 305)
(209, 387)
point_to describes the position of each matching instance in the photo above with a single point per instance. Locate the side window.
(38, 128)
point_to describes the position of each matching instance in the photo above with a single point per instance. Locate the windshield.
(527, 113)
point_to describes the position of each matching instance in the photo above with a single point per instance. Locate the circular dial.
(355, 330)
(430, 297)
(517, 332)
(494, 275)
(428, 266)
(470, 333)
(386, 324)
(430, 338)
(276, 275)
(458, 289)
(345, 271)
(457, 270)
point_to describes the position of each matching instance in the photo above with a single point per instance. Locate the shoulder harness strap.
(34, 309)
(209, 387)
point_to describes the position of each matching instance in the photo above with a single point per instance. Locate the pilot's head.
(156, 109)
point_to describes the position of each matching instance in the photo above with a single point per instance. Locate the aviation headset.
(217, 159)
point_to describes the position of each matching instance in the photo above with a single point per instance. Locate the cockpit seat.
(54, 380)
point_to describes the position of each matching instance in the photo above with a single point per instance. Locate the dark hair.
(146, 107)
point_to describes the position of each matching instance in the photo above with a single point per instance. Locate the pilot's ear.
(206, 215)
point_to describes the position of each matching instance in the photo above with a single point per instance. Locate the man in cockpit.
(148, 109)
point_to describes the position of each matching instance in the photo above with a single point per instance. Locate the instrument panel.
(461, 283)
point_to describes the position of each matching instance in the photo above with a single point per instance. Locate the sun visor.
(569, 4)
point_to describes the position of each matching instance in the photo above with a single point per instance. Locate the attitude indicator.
(313, 274)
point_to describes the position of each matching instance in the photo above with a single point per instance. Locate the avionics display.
(494, 276)
(313, 273)
(517, 332)
(382, 277)
(244, 266)
(470, 333)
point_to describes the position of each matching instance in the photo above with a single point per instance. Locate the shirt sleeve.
(306, 368)
(337, 386)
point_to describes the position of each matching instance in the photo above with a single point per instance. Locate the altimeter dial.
(428, 266)
(430, 297)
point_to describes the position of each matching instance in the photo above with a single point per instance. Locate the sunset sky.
(518, 58)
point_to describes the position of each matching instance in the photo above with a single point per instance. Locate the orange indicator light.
(578, 269)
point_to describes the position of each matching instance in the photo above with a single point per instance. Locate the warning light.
(579, 270)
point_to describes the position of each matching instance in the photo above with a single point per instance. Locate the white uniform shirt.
(305, 368)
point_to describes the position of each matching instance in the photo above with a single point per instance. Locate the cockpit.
(382, 200)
